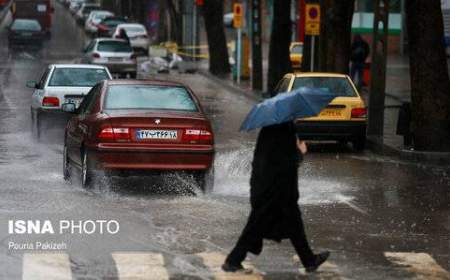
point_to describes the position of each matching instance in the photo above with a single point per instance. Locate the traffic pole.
(238, 56)
(313, 40)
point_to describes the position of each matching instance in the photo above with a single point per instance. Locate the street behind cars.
(344, 119)
(131, 125)
(62, 83)
(116, 54)
(25, 31)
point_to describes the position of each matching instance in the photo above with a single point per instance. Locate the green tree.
(430, 84)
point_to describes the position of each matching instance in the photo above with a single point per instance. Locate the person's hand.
(301, 145)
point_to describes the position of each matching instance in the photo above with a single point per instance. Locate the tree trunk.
(215, 31)
(280, 39)
(335, 35)
(430, 85)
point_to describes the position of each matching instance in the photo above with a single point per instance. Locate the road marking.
(214, 260)
(328, 270)
(421, 264)
(140, 266)
(46, 267)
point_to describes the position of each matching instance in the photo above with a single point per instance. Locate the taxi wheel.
(359, 144)
(66, 165)
(87, 174)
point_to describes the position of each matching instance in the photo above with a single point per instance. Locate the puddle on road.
(232, 177)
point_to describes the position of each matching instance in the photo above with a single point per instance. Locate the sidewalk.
(397, 92)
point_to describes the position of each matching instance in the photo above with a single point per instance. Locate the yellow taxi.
(296, 54)
(344, 119)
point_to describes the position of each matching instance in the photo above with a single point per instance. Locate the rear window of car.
(114, 46)
(77, 77)
(335, 85)
(101, 16)
(149, 97)
(297, 49)
(134, 29)
(29, 25)
(112, 22)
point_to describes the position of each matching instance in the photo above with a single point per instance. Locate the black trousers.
(296, 235)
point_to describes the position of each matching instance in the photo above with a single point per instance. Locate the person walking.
(275, 214)
(359, 53)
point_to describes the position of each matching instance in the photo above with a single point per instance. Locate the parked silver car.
(116, 54)
(62, 83)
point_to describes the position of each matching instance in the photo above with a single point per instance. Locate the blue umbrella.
(300, 103)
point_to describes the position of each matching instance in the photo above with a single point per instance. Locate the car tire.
(36, 124)
(205, 180)
(87, 172)
(359, 144)
(67, 172)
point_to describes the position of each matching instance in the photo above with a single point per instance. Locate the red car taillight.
(96, 55)
(133, 56)
(50, 101)
(359, 112)
(117, 134)
(197, 135)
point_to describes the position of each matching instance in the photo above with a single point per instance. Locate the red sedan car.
(138, 125)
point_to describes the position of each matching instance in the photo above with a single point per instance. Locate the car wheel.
(359, 143)
(87, 174)
(66, 164)
(36, 124)
(133, 75)
(205, 180)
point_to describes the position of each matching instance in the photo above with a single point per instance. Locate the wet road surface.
(381, 218)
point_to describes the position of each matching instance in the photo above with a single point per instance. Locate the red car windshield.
(149, 97)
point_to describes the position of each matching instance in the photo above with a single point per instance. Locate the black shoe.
(318, 260)
(228, 267)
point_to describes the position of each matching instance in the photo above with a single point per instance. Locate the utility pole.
(378, 71)
(257, 69)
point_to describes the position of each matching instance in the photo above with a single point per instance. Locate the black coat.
(274, 186)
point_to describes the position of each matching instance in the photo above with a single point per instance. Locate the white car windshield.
(77, 77)
(149, 97)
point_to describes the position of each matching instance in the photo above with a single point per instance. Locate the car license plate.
(156, 134)
(76, 101)
(331, 113)
(115, 59)
(27, 34)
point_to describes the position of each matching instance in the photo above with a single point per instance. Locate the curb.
(436, 158)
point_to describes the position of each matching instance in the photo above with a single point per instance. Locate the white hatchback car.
(94, 18)
(115, 54)
(62, 83)
(137, 34)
